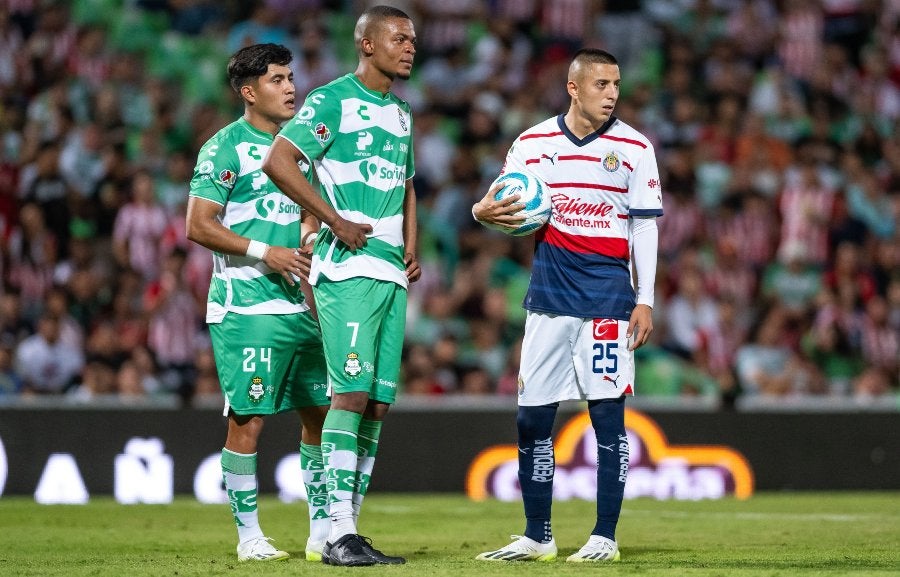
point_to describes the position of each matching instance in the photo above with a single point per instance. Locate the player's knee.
(536, 422)
(355, 402)
(376, 410)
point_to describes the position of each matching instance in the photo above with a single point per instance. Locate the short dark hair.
(594, 56)
(253, 61)
(381, 12)
(374, 16)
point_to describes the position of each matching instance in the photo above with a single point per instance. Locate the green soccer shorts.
(363, 322)
(269, 364)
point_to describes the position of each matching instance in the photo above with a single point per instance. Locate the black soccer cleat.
(379, 557)
(348, 551)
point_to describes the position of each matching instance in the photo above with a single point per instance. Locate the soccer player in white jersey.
(267, 345)
(357, 136)
(584, 316)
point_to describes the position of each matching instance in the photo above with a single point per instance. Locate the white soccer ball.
(533, 194)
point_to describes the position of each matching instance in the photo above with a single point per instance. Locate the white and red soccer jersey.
(581, 262)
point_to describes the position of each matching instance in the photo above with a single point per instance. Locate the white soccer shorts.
(570, 358)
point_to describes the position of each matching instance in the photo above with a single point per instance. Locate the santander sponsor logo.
(565, 204)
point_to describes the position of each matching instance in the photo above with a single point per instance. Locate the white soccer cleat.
(259, 549)
(314, 550)
(596, 550)
(522, 549)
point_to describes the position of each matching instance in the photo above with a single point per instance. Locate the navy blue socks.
(536, 466)
(608, 418)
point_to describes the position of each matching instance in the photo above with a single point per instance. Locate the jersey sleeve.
(313, 129)
(215, 173)
(410, 157)
(515, 158)
(645, 190)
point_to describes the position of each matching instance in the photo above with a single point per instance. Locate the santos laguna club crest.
(257, 390)
(352, 366)
(656, 469)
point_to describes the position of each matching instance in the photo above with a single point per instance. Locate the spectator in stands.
(139, 228)
(766, 366)
(172, 325)
(42, 185)
(14, 326)
(56, 304)
(45, 363)
(264, 25)
(98, 381)
(691, 315)
(10, 382)
(880, 340)
(791, 281)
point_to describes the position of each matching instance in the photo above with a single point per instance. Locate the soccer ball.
(533, 194)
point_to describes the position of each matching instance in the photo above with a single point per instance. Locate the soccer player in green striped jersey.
(267, 345)
(358, 138)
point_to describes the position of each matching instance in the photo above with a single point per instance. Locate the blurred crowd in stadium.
(776, 124)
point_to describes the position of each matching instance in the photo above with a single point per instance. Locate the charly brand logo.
(654, 468)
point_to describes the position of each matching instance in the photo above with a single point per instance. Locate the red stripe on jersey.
(602, 245)
(628, 140)
(587, 185)
(566, 157)
(623, 216)
(546, 135)
(579, 157)
(628, 166)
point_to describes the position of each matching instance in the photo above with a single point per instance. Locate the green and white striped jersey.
(359, 142)
(229, 173)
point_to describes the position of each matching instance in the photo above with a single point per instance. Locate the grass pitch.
(785, 534)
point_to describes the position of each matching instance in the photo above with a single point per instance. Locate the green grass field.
(788, 534)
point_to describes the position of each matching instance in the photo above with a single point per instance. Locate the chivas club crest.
(352, 366)
(611, 162)
(257, 390)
